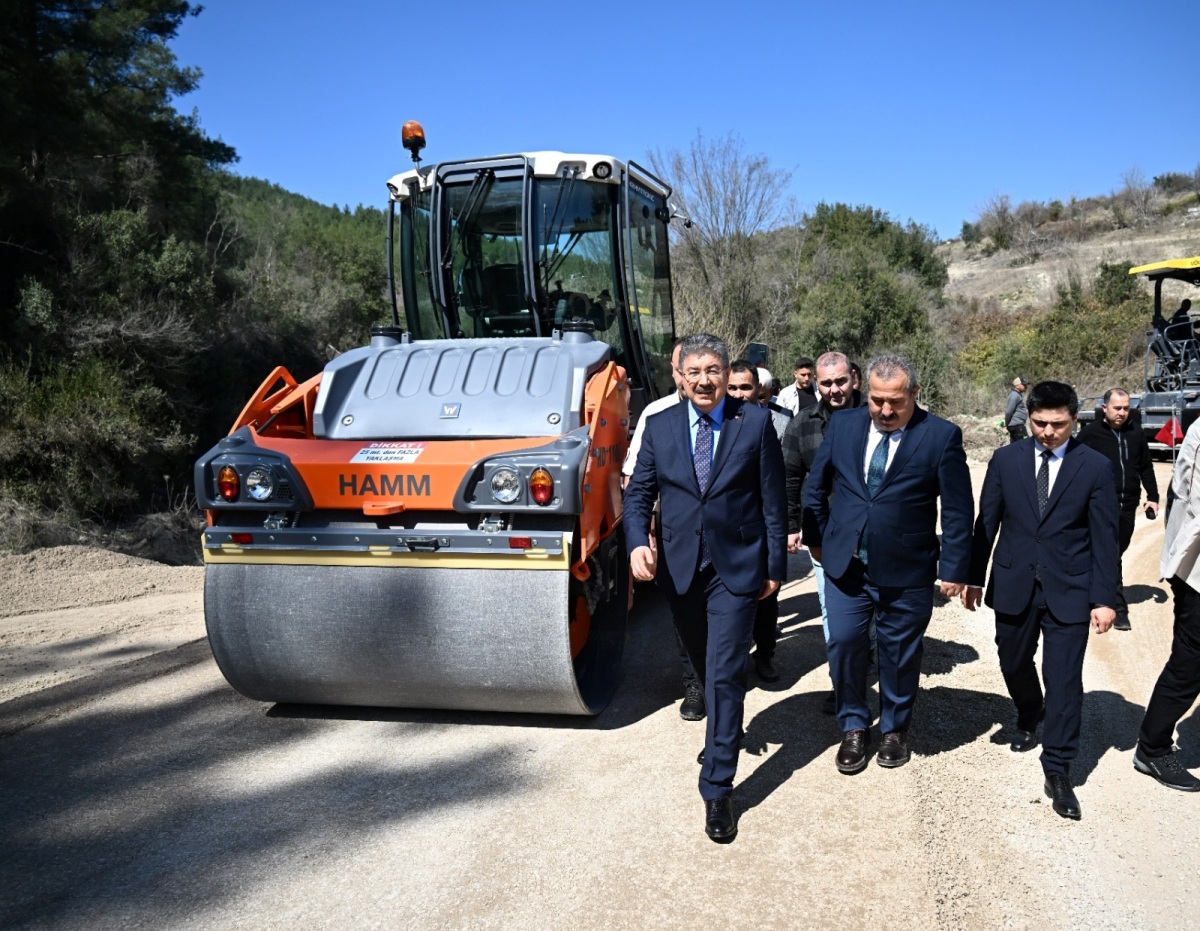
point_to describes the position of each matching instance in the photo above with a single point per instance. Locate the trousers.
(1063, 646)
(1179, 683)
(1125, 524)
(716, 626)
(901, 616)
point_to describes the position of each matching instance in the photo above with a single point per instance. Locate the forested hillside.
(145, 290)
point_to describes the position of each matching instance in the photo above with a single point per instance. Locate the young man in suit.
(715, 465)
(1054, 573)
(869, 517)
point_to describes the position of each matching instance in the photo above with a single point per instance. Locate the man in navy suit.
(1053, 503)
(869, 517)
(716, 466)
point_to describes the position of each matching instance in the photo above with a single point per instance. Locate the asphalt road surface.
(140, 791)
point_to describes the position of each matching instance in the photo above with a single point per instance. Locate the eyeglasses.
(691, 376)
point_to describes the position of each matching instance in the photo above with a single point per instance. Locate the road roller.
(434, 520)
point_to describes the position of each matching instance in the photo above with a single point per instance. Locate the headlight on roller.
(260, 484)
(506, 485)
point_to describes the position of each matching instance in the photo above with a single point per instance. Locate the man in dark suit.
(869, 517)
(1053, 503)
(716, 466)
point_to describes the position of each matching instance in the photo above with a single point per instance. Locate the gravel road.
(140, 791)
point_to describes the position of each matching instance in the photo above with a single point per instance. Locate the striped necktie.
(702, 462)
(1043, 481)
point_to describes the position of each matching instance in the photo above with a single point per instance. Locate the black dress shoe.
(1025, 738)
(893, 751)
(1023, 741)
(1058, 790)
(764, 667)
(692, 708)
(1122, 623)
(718, 820)
(852, 754)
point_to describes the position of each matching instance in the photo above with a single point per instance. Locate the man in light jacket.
(1179, 683)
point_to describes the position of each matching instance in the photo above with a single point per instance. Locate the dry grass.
(171, 537)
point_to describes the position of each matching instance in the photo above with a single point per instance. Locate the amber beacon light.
(412, 137)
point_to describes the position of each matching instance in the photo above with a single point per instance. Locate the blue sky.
(924, 110)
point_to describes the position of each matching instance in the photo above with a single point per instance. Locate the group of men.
(857, 480)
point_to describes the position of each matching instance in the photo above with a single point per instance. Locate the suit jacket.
(1072, 547)
(742, 514)
(900, 522)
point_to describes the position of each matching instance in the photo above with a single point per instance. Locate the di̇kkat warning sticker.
(389, 452)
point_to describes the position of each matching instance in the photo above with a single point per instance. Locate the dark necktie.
(1043, 481)
(875, 472)
(702, 462)
(878, 466)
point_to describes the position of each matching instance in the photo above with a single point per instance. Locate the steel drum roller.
(477, 639)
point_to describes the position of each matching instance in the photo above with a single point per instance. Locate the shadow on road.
(1140, 594)
(1110, 722)
(1189, 740)
(127, 809)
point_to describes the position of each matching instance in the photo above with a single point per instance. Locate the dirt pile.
(76, 576)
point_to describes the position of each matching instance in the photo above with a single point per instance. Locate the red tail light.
(520, 543)
(541, 486)
(227, 483)
(242, 539)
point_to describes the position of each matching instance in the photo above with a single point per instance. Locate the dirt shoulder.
(74, 611)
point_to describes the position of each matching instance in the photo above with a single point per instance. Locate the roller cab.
(435, 520)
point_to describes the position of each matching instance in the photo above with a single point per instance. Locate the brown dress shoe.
(893, 751)
(852, 755)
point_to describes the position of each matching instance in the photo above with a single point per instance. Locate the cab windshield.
(572, 254)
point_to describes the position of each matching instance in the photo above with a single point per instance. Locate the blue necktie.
(702, 462)
(875, 472)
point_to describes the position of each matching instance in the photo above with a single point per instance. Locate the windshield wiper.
(471, 203)
(553, 231)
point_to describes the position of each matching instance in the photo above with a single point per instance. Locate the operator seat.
(504, 288)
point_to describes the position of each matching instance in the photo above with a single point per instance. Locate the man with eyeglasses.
(692, 707)
(716, 467)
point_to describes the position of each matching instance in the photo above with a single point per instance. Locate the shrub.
(1173, 182)
(88, 438)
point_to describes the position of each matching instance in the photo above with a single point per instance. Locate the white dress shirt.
(874, 436)
(1055, 463)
